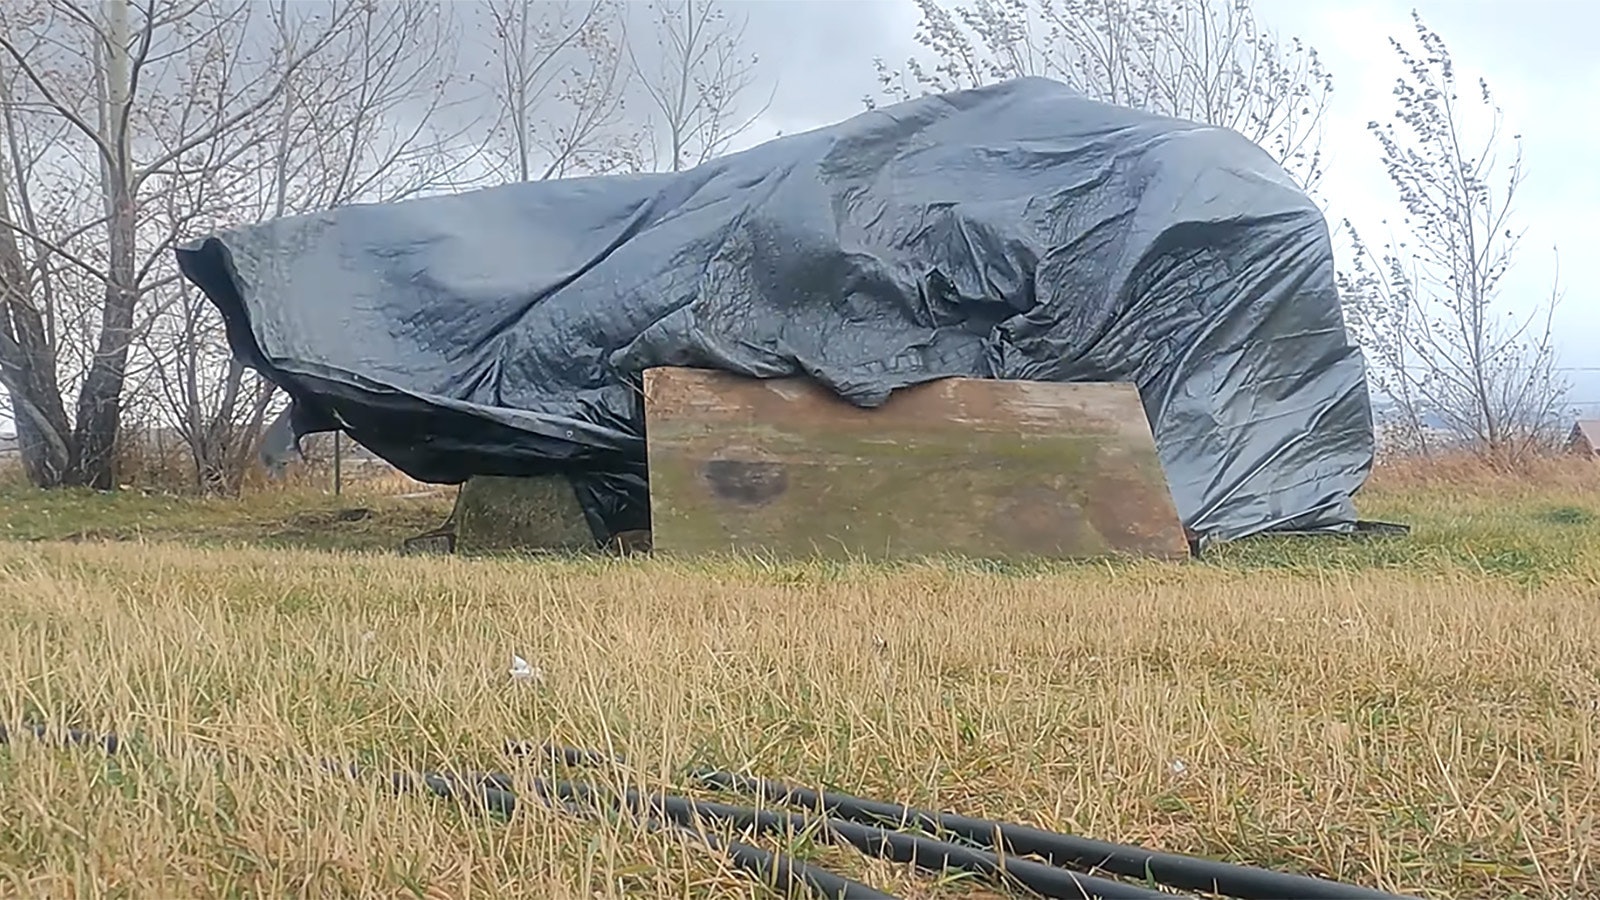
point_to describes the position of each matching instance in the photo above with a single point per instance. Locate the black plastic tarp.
(1015, 231)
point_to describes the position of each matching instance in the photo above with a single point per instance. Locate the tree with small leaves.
(558, 81)
(1208, 61)
(1427, 307)
(694, 83)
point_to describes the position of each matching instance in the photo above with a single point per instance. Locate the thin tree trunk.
(27, 358)
(100, 401)
(27, 371)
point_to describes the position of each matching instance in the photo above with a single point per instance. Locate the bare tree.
(558, 81)
(137, 93)
(29, 309)
(360, 121)
(38, 215)
(1427, 308)
(694, 81)
(1204, 60)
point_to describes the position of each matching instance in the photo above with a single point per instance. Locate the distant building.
(1585, 437)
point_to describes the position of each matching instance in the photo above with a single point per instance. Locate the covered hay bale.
(495, 514)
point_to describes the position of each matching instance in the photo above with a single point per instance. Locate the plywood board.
(975, 467)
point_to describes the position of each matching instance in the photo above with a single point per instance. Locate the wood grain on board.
(961, 466)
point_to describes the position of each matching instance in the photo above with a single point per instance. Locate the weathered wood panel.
(976, 467)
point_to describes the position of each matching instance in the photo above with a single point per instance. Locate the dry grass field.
(1420, 714)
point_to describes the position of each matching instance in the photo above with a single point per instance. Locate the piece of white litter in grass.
(1178, 767)
(521, 671)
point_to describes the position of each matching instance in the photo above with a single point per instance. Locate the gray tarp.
(1016, 231)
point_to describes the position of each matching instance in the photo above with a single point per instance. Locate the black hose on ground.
(492, 793)
(1184, 872)
(1047, 881)
(853, 820)
(924, 852)
(69, 736)
(785, 869)
(1170, 869)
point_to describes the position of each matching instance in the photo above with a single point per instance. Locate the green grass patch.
(304, 519)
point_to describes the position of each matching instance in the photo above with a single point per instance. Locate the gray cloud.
(821, 51)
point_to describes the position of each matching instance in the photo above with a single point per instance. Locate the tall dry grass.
(1485, 477)
(1435, 734)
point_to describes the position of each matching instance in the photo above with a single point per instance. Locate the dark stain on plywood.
(746, 482)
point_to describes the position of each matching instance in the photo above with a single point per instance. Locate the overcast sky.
(1536, 55)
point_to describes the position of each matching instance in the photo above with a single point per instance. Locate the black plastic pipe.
(492, 792)
(785, 869)
(924, 852)
(1185, 872)
(851, 819)
(70, 736)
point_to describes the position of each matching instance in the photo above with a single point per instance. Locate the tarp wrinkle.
(1018, 230)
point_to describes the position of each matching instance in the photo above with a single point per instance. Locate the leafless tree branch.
(1427, 309)
(1204, 60)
